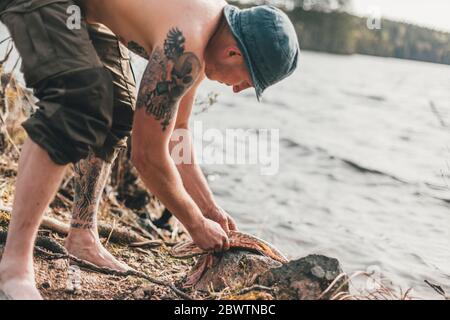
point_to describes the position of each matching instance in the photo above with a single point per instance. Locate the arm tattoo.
(90, 179)
(137, 49)
(170, 73)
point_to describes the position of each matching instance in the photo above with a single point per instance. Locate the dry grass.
(382, 289)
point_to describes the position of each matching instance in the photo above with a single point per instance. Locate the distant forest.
(324, 25)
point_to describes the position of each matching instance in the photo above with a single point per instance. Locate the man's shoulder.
(196, 23)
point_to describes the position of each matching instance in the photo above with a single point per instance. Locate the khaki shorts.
(82, 78)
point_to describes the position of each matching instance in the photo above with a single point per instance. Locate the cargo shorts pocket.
(45, 42)
(31, 38)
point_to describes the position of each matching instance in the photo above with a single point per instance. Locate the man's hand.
(220, 216)
(210, 236)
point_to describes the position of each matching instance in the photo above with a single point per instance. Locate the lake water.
(364, 169)
(364, 165)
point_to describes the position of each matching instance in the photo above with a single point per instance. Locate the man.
(86, 99)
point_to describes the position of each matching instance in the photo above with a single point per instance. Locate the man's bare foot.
(16, 286)
(85, 244)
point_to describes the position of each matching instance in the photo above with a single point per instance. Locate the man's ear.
(233, 51)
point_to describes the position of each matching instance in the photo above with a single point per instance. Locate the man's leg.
(37, 182)
(83, 241)
(92, 173)
(75, 96)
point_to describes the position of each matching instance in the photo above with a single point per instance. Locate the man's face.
(228, 67)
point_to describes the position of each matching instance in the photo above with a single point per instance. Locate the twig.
(437, 288)
(149, 243)
(67, 181)
(256, 288)
(205, 104)
(174, 232)
(44, 242)
(342, 275)
(117, 235)
(110, 234)
(8, 136)
(15, 66)
(8, 53)
(438, 114)
(4, 40)
(63, 199)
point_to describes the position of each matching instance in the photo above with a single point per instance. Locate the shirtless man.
(86, 106)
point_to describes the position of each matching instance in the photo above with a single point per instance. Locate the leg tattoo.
(91, 175)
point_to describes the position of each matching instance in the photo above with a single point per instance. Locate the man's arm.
(193, 178)
(171, 71)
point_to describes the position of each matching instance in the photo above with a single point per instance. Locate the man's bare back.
(147, 22)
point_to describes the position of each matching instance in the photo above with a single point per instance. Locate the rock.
(303, 279)
(139, 294)
(60, 265)
(234, 269)
(149, 290)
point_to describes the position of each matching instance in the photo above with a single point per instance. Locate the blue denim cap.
(268, 41)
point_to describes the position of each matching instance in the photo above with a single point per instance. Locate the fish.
(238, 240)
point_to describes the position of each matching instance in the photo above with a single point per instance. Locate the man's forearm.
(197, 186)
(193, 178)
(163, 180)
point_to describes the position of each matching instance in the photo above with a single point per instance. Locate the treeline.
(337, 31)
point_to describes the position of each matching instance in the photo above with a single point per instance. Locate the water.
(364, 165)
(364, 168)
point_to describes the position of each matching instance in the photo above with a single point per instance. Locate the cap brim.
(232, 15)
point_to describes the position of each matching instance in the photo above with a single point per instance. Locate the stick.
(117, 235)
(438, 114)
(148, 243)
(437, 288)
(41, 242)
(110, 234)
(4, 40)
(255, 288)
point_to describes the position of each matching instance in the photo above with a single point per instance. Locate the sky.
(429, 13)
